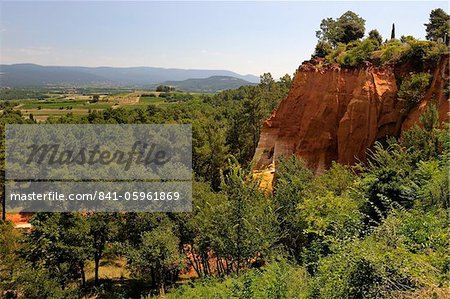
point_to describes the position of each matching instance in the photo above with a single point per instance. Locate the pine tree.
(438, 26)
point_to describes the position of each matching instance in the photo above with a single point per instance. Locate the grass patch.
(150, 100)
(109, 269)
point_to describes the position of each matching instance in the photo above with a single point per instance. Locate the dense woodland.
(379, 229)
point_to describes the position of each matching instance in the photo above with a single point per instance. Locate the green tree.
(439, 25)
(322, 49)
(253, 112)
(286, 80)
(95, 98)
(59, 242)
(347, 28)
(376, 36)
(251, 228)
(266, 79)
(204, 231)
(210, 150)
(292, 182)
(423, 142)
(393, 31)
(102, 229)
(156, 256)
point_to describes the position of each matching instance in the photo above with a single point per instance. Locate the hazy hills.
(211, 84)
(30, 75)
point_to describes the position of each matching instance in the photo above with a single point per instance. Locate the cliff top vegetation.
(342, 41)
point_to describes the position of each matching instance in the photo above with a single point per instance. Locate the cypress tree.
(393, 31)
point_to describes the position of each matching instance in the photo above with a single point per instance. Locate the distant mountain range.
(31, 75)
(211, 84)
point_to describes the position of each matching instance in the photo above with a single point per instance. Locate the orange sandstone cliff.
(334, 114)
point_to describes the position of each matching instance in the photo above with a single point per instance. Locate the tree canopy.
(438, 26)
(347, 28)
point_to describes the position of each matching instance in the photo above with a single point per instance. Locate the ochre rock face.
(335, 114)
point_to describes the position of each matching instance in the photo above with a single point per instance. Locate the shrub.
(434, 180)
(404, 253)
(340, 48)
(357, 52)
(322, 49)
(407, 39)
(386, 182)
(275, 280)
(391, 52)
(413, 89)
(417, 52)
(421, 51)
(436, 51)
(336, 218)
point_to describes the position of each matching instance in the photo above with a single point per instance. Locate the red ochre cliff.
(334, 114)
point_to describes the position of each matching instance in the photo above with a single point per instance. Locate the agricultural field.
(41, 105)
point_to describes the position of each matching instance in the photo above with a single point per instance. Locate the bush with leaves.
(391, 52)
(384, 264)
(278, 279)
(336, 219)
(432, 177)
(425, 142)
(322, 49)
(329, 215)
(386, 181)
(357, 53)
(412, 90)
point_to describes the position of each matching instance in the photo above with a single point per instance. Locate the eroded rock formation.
(335, 114)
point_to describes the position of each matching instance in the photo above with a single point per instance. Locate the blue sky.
(245, 37)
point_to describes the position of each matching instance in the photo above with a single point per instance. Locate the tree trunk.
(97, 264)
(194, 261)
(218, 263)
(224, 270)
(161, 284)
(196, 265)
(154, 284)
(83, 275)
